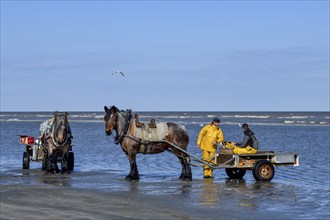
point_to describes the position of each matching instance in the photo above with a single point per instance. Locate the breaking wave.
(262, 118)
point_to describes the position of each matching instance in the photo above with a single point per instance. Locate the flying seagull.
(118, 72)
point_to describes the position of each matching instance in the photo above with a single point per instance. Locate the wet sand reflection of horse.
(121, 122)
(57, 144)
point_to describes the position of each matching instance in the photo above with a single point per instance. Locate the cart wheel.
(235, 173)
(26, 160)
(263, 171)
(70, 161)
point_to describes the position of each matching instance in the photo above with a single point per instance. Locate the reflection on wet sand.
(186, 188)
(232, 192)
(209, 196)
(133, 186)
(56, 180)
(199, 199)
(51, 179)
(246, 199)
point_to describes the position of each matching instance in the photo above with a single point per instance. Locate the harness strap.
(119, 137)
(55, 141)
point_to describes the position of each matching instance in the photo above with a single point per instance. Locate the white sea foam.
(184, 118)
(43, 116)
(13, 119)
(87, 121)
(99, 116)
(247, 116)
(19, 120)
(252, 116)
(85, 115)
(293, 117)
(289, 122)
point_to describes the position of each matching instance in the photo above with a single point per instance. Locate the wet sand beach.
(35, 202)
(93, 195)
(31, 194)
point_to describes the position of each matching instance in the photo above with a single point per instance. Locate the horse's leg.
(64, 163)
(49, 162)
(45, 161)
(52, 162)
(186, 168)
(185, 163)
(55, 166)
(179, 137)
(44, 164)
(134, 173)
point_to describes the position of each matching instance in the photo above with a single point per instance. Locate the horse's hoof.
(131, 178)
(186, 178)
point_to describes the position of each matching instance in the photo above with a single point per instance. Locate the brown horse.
(57, 144)
(176, 138)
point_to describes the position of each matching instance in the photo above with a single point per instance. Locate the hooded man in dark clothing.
(249, 138)
(249, 145)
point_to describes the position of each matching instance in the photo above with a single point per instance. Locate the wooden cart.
(262, 164)
(35, 151)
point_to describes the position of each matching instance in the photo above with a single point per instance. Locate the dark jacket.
(249, 139)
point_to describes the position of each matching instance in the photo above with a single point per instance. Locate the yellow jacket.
(208, 135)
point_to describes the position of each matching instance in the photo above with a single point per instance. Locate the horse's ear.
(106, 109)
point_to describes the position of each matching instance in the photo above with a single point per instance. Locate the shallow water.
(295, 192)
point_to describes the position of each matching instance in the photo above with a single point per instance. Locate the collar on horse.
(53, 136)
(120, 135)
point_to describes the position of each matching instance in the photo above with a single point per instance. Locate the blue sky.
(176, 55)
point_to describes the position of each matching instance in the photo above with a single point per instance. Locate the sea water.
(302, 192)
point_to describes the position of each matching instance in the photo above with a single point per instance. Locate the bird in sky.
(118, 72)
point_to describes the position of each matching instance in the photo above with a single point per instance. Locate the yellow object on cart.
(239, 150)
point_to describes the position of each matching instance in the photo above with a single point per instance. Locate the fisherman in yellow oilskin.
(208, 139)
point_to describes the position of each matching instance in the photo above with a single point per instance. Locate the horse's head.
(61, 129)
(110, 119)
